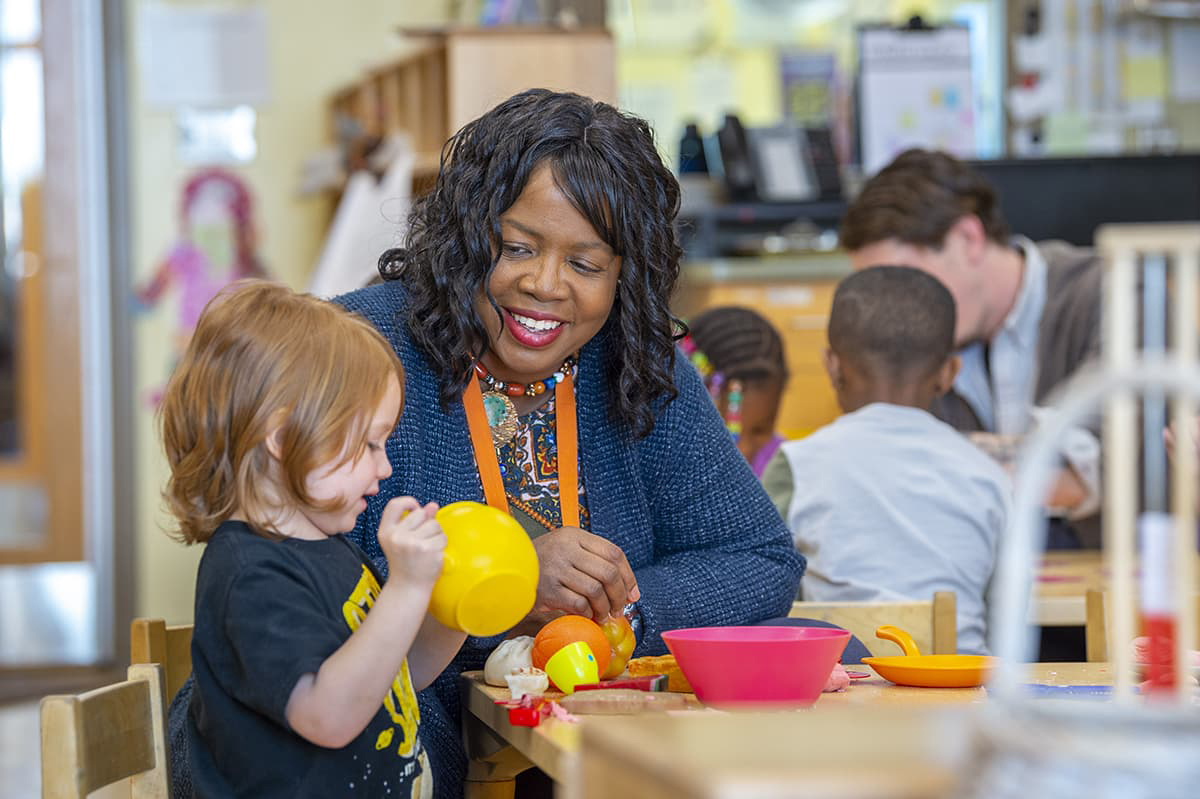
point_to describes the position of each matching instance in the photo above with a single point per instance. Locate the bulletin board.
(914, 90)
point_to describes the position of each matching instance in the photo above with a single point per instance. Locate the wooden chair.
(152, 641)
(932, 622)
(112, 735)
(1095, 626)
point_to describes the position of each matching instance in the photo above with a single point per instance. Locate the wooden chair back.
(152, 641)
(932, 623)
(1096, 625)
(115, 734)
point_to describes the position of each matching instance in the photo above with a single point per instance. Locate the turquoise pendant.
(501, 417)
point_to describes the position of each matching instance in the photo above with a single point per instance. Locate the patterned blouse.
(529, 467)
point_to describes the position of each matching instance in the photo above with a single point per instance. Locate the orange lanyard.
(566, 435)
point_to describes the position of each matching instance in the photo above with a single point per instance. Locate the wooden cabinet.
(455, 75)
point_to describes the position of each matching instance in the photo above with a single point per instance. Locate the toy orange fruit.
(567, 630)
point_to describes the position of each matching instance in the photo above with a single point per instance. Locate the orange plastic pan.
(928, 671)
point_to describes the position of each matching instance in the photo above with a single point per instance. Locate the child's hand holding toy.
(412, 540)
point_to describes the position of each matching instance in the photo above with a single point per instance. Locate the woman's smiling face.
(555, 283)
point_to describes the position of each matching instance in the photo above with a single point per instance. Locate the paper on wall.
(1057, 33)
(1066, 133)
(1143, 73)
(203, 57)
(1032, 54)
(915, 91)
(1185, 62)
(1086, 78)
(713, 90)
(1026, 104)
(1144, 89)
(1145, 77)
(1076, 133)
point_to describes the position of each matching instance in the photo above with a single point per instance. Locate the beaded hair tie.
(715, 382)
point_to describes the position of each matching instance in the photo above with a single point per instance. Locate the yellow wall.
(315, 46)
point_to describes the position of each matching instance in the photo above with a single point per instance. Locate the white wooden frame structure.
(1123, 375)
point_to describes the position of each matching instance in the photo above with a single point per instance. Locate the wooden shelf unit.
(457, 74)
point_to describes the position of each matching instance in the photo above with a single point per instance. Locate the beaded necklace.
(497, 402)
(566, 435)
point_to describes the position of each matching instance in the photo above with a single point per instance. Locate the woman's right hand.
(581, 573)
(412, 540)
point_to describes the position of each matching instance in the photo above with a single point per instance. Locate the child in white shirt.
(887, 502)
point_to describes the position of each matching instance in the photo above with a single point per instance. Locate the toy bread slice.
(661, 664)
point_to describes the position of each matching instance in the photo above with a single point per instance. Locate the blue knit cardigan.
(706, 544)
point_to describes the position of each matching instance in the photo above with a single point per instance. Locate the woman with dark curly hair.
(530, 309)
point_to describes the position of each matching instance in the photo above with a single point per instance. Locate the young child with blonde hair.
(305, 661)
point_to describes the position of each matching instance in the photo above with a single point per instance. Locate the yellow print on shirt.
(401, 700)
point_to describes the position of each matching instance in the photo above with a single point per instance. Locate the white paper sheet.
(203, 57)
(1032, 53)
(916, 91)
(713, 91)
(1185, 62)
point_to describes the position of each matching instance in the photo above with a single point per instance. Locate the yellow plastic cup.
(489, 573)
(573, 665)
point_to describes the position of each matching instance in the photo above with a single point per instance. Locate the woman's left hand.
(582, 573)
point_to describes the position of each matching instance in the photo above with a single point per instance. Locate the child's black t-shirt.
(267, 613)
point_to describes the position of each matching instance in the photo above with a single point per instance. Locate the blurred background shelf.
(759, 228)
(457, 73)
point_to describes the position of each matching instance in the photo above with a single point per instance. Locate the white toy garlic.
(512, 655)
(527, 682)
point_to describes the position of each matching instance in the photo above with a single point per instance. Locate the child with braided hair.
(740, 355)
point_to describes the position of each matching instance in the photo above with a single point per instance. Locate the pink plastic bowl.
(757, 665)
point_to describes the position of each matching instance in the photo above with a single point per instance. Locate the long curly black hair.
(605, 161)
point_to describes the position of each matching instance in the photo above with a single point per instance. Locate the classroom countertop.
(802, 266)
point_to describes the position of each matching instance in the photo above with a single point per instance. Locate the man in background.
(1028, 315)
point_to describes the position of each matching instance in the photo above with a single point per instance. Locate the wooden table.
(909, 749)
(498, 751)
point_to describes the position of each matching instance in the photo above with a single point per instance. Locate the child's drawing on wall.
(215, 248)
